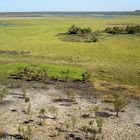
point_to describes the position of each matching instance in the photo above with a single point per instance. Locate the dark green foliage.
(31, 73)
(78, 34)
(77, 30)
(120, 30)
(132, 29)
(27, 99)
(73, 30)
(86, 76)
(114, 30)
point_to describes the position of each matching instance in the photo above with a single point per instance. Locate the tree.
(119, 103)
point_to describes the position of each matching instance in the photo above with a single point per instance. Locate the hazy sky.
(68, 5)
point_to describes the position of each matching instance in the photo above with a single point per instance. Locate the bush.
(29, 109)
(73, 30)
(30, 73)
(99, 122)
(27, 99)
(86, 76)
(25, 132)
(53, 111)
(114, 30)
(119, 103)
(127, 30)
(132, 29)
(77, 30)
(3, 93)
(78, 34)
(42, 116)
(73, 121)
(93, 128)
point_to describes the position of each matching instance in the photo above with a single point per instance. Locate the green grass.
(53, 70)
(114, 58)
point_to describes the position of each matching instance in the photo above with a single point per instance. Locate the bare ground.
(12, 112)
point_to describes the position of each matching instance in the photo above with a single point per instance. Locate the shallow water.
(5, 24)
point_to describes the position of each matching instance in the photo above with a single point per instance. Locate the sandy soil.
(12, 114)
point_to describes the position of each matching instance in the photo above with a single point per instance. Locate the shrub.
(96, 111)
(31, 72)
(93, 128)
(29, 109)
(86, 76)
(73, 30)
(99, 122)
(53, 111)
(24, 91)
(42, 116)
(78, 34)
(3, 93)
(114, 30)
(27, 99)
(132, 29)
(119, 103)
(77, 30)
(91, 38)
(126, 30)
(25, 132)
(71, 95)
(73, 121)
(90, 129)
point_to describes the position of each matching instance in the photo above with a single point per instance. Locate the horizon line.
(67, 11)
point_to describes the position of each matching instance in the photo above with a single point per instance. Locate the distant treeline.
(43, 14)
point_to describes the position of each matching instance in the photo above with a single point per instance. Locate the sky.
(68, 5)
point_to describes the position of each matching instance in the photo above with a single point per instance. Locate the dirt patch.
(14, 52)
(14, 113)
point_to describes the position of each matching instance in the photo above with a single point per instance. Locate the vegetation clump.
(53, 111)
(77, 30)
(25, 132)
(78, 34)
(86, 76)
(31, 73)
(119, 103)
(93, 128)
(42, 116)
(126, 30)
(3, 93)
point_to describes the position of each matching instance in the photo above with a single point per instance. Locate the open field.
(112, 58)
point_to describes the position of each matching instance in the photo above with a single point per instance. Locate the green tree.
(119, 103)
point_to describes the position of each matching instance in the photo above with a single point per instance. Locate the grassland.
(114, 58)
